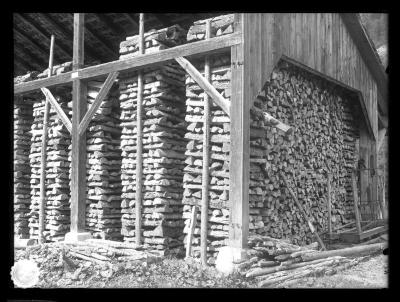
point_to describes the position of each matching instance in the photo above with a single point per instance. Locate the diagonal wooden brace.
(206, 85)
(60, 112)
(97, 102)
(276, 123)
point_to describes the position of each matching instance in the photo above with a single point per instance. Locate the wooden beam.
(205, 179)
(328, 180)
(139, 141)
(60, 112)
(97, 102)
(239, 167)
(79, 107)
(194, 49)
(43, 155)
(41, 33)
(203, 83)
(355, 202)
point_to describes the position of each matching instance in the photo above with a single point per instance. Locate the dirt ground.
(173, 273)
(372, 273)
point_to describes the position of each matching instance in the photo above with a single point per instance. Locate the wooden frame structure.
(259, 41)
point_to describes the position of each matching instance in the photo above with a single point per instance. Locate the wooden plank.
(190, 233)
(139, 141)
(43, 154)
(299, 40)
(319, 41)
(97, 102)
(79, 107)
(329, 205)
(195, 49)
(204, 84)
(330, 49)
(240, 139)
(60, 112)
(205, 178)
(355, 202)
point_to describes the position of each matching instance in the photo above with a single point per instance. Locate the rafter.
(18, 48)
(162, 19)
(100, 40)
(41, 33)
(39, 48)
(131, 20)
(117, 30)
(93, 54)
(28, 65)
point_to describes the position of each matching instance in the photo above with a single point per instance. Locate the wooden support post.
(43, 155)
(79, 107)
(355, 198)
(239, 168)
(139, 141)
(329, 206)
(190, 233)
(206, 158)
(381, 137)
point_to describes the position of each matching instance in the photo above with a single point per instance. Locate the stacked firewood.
(163, 148)
(22, 171)
(154, 41)
(103, 203)
(322, 142)
(220, 25)
(219, 157)
(276, 262)
(57, 211)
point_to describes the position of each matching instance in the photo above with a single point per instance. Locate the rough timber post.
(240, 148)
(43, 160)
(78, 164)
(139, 142)
(206, 158)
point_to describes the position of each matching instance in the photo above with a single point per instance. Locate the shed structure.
(329, 55)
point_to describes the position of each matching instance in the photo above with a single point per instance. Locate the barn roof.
(103, 34)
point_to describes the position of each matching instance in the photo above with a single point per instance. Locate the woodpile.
(103, 203)
(22, 171)
(163, 147)
(220, 25)
(218, 212)
(323, 141)
(106, 251)
(275, 262)
(57, 209)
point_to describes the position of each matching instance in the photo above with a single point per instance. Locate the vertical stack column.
(22, 171)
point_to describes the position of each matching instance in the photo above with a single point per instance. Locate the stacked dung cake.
(22, 171)
(218, 210)
(103, 200)
(163, 145)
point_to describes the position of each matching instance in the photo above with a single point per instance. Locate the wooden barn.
(265, 123)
